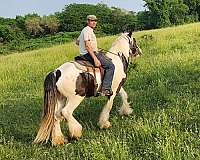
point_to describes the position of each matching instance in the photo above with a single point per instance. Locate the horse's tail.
(50, 101)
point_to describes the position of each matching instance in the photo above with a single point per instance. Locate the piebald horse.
(60, 98)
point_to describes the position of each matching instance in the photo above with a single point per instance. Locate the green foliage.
(178, 11)
(158, 13)
(37, 26)
(33, 26)
(23, 32)
(7, 21)
(73, 17)
(194, 7)
(9, 34)
(20, 22)
(34, 43)
(144, 21)
(50, 24)
(110, 20)
(17, 33)
(164, 13)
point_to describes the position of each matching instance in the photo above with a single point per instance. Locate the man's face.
(92, 23)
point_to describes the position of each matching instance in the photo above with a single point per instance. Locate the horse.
(61, 98)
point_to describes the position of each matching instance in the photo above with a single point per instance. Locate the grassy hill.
(164, 90)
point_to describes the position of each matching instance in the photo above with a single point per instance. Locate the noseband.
(133, 47)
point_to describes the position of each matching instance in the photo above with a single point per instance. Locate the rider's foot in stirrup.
(106, 92)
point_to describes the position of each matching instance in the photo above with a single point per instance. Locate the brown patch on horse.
(125, 66)
(86, 85)
(121, 84)
(125, 63)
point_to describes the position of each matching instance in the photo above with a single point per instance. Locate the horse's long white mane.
(121, 45)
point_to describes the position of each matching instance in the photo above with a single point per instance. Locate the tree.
(194, 8)
(73, 17)
(20, 22)
(50, 24)
(33, 26)
(158, 12)
(8, 34)
(143, 20)
(110, 20)
(131, 22)
(178, 11)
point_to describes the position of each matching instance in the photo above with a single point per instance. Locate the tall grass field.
(164, 91)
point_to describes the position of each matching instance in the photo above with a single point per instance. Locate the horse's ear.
(130, 34)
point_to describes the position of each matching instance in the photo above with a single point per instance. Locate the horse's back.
(68, 77)
(70, 74)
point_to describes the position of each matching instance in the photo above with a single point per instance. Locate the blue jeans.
(107, 65)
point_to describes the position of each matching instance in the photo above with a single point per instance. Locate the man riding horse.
(88, 49)
(62, 96)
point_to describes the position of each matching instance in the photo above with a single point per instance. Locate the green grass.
(164, 90)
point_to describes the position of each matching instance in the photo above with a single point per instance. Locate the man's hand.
(97, 63)
(92, 54)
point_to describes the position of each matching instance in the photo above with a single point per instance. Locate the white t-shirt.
(87, 34)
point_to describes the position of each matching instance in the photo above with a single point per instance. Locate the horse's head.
(126, 45)
(134, 49)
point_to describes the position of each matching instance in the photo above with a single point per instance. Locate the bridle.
(102, 49)
(132, 52)
(132, 48)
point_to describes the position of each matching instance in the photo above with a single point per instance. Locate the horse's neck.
(117, 51)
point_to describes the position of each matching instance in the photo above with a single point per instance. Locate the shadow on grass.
(160, 88)
(20, 118)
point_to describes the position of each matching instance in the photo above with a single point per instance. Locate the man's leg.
(109, 72)
(89, 58)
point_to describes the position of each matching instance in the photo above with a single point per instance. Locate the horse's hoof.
(59, 141)
(105, 125)
(125, 112)
(76, 133)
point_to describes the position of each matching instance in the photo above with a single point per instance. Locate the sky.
(11, 8)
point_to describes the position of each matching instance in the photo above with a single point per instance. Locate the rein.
(130, 46)
(125, 62)
(108, 51)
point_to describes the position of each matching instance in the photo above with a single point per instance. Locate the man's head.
(91, 21)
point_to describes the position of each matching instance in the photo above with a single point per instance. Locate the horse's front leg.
(104, 116)
(125, 108)
(75, 128)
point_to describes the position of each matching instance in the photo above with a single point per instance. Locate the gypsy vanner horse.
(61, 97)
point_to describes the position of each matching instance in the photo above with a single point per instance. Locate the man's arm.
(88, 46)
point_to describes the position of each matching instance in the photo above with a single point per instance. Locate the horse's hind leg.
(75, 128)
(57, 136)
(125, 108)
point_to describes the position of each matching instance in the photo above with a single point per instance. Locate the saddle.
(83, 64)
(86, 83)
